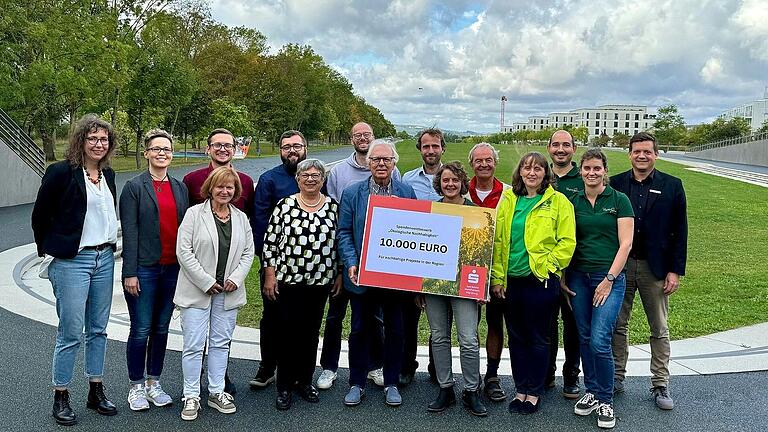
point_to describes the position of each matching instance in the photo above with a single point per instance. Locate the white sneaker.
(191, 407)
(156, 395)
(377, 376)
(326, 379)
(137, 398)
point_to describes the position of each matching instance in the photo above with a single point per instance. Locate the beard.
(290, 166)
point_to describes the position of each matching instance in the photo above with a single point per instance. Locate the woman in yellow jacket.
(534, 241)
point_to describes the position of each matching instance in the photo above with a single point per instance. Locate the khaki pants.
(656, 306)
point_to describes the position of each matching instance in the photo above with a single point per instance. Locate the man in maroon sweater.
(221, 149)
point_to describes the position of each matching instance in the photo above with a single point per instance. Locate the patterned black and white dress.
(301, 245)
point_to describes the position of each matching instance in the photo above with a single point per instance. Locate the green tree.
(763, 128)
(620, 140)
(670, 126)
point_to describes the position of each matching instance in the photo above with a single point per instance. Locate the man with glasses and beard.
(349, 171)
(221, 149)
(273, 185)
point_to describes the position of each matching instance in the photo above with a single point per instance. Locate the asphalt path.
(703, 403)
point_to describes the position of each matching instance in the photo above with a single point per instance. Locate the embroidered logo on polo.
(611, 210)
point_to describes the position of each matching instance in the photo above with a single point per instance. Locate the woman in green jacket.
(534, 241)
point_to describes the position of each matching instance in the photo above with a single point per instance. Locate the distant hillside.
(415, 129)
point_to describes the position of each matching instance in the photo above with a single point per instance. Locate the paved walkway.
(26, 294)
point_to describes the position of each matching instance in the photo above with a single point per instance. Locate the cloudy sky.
(449, 62)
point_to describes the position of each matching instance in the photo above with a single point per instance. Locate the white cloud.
(549, 55)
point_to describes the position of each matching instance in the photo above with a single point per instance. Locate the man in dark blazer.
(656, 261)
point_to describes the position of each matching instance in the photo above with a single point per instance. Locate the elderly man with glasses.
(367, 301)
(348, 172)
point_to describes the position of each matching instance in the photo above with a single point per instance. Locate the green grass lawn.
(726, 285)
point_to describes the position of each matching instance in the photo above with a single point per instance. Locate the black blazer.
(666, 220)
(59, 212)
(140, 220)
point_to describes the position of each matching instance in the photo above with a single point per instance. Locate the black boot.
(62, 412)
(445, 398)
(98, 401)
(472, 401)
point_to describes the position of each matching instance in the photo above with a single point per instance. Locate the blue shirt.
(421, 183)
(273, 186)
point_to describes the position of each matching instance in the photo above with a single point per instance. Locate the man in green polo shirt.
(561, 149)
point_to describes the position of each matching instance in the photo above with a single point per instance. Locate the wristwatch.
(610, 277)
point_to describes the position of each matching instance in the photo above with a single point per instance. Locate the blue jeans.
(83, 288)
(596, 326)
(150, 314)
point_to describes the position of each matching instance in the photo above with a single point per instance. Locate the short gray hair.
(487, 145)
(306, 164)
(380, 142)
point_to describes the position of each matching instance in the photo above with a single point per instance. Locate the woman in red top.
(152, 205)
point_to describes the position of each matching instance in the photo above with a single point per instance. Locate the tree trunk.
(113, 114)
(139, 135)
(49, 144)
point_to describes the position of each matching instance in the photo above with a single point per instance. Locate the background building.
(755, 112)
(603, 119)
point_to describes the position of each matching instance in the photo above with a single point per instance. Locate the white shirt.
(100, 225)
(483, 194)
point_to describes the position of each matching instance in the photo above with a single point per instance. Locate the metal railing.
(729, 142)
(20, 143)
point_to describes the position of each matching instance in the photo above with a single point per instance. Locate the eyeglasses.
(97, 140)
(219, 146)
(384, 160)
(160, 149)
(359, 135)
(289, 147)
(306, 176)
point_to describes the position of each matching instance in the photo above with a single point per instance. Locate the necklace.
(306, 204)
(159, 187)
(221, 218)
(95, 181)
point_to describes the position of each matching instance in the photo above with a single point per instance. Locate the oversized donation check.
(427, 247)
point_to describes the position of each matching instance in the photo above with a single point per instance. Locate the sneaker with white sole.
(157, 395)
(662, 398)
(326, 379)
(137, 398)
(586, 405)
(377, 376)
(605, 416)
(222, 402)
(191, 408)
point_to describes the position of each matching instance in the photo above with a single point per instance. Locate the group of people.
(567, 241)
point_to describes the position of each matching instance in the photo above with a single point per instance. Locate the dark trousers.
(365, 306)
(268, 330)
(334, 323)
(150, 314)
(300, 313)
(411, 316)
(570, 343)
(529, 307)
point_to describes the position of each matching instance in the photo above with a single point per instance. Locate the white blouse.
(100, 225)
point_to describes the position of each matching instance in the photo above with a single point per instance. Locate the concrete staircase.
(22, 164)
